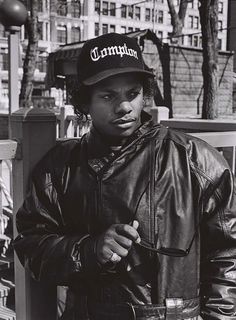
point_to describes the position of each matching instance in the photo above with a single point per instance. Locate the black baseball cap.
(108, 55)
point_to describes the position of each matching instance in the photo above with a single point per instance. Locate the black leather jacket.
(180, 190)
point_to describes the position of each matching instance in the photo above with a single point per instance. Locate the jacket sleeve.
(44, 244)
(218, 243)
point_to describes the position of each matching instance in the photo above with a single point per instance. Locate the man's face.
(116, 104)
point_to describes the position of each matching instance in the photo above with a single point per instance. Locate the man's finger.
(128, 231)
(135, 224)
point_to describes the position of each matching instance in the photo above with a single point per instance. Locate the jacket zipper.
(99, 196)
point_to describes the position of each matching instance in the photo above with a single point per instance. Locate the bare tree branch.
(177, 19)
(31, 56)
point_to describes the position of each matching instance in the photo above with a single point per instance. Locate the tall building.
(67, 21)
(231, 45)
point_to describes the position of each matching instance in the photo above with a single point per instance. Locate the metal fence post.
(159, 113)
(35, 131)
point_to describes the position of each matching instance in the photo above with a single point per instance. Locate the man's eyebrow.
(105, 90)
(137, 86)
(112, 90)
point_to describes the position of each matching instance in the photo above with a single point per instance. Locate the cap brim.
(112, 72)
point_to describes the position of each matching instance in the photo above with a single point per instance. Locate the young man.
(138, 220)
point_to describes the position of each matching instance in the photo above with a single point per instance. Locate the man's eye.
(133, 94)
(107, 97)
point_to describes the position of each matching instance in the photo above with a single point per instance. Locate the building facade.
(231, 43)
(67, 21)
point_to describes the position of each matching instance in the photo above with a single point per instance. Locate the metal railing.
(221, 134)
(7, 153)
(69, 125)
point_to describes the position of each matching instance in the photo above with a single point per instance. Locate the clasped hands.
(115, 243)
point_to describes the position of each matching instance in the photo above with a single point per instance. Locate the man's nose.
(123, 107)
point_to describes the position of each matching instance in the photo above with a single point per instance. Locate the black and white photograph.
(117, 160)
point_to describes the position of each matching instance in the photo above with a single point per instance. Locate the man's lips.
(123, 120)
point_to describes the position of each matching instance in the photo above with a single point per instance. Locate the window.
(61, 34)
(160, 34)
(96, 29)
(220, 7)
(97, 6)
(219, 44)
(147, 14)
(190, 22)
(40, 5)
(152, 15)
(196, 23)
(4, 90)
(62, 7)
(47, 31)
(190, 40)
(169, 36)
(123, 11)
(105, 8)
(220, 25)
(130, 29)
(191, 3)
(3, 59)
(200, 42)
(131, 12)
(137, 13)
(160, 18)
(2, 31)
(104, 28)
(112, 9)
(75, 8)
(112, 28)
(123, 29)
(75, 34)
(46, 5)
(40, 30)
(41, 63)
(195, 41)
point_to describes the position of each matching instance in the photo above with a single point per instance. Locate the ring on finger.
(115, 258)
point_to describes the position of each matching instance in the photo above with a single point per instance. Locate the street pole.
(13, 15)
(13, 54)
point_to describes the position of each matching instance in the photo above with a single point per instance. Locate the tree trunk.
(31, 56)
(177, 19)
(209, 23)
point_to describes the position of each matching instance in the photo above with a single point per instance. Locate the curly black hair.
(80, 95)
